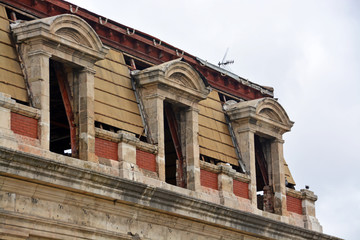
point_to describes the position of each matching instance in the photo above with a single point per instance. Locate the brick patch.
(106, 149)
(293, 204)
(241, 189)
(146, 160)
(23, 125)
(209, 179)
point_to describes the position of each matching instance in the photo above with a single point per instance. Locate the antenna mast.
(225, 62)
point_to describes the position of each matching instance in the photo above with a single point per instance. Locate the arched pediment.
(271, 109)
(176, 77)
(74, 28)
(265, 115)
(66, 37)
(184, 74)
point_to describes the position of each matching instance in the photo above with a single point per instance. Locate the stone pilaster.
(5, 105)
(246, 142)
(86, 115)
(308, 207)
(192, 149)
(225, 179)
(154, 106)
(127, 150)
(6, 135)
(278, 177)
(37, 63)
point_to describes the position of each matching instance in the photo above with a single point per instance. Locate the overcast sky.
(308, 50)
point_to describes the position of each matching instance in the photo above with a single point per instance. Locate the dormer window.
(259, 125)
(170, 93)
(68, 42)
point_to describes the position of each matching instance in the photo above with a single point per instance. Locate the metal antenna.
(225, 62)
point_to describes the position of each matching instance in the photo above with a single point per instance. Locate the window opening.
(14, 14)
(113, 129)
(134, 63)
(174, 160)
(216, 161)
(63, 138)
(224, 97)
(264, 191)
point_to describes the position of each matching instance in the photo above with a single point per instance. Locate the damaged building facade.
(109, 133)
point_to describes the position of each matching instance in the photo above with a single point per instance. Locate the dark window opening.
(21, 102)
(113, 129)
(135, 64)
(225, 97)
(264, 191)
(62, 134)
(216, 161)
(174, 160)
(14, 15)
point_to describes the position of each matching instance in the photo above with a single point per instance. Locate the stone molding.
(7, 102)
(70, 174)
(175, 77)
(294, 193)
(226, 169)
(64, 36)
(307, 194)
(264, 115)
(302, 194)
(123, 136)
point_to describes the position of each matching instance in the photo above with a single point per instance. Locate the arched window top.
(66, 36)
(271, 109)
(74, 28)
(178, 77)
(265, 115)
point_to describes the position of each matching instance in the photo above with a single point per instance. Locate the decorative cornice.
(84, 177)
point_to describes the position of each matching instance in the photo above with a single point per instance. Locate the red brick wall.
(23, 125)
(293, 204)
(209, 179)
(146, 160)
(241, 189)
(106, 149)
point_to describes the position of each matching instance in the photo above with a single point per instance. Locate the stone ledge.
(88, 181)
(224, 168)
(123, 136)
(7, 102)
(293, 193)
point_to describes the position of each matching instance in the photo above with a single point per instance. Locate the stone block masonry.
(23, 125)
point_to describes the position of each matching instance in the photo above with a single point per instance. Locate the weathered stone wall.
(59, 197)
